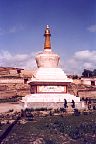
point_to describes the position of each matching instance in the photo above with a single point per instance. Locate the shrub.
(10, 110)
(62, 110)
(75, 133)
(50, 142)
(76, 112)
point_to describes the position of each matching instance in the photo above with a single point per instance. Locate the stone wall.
(7, 80)
(87, 94)
(82, 90)
(12, 82)
(10, 90)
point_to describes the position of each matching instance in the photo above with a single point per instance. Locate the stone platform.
(50, 97)
(48, 100)
(52, 105)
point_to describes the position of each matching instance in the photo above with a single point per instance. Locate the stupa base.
(51, 105)
(48, 100)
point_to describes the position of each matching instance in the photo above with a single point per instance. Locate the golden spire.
(47, 44)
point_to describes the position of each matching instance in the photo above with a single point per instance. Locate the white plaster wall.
(87, 81)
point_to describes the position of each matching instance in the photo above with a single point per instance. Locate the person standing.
(73, 104)
(65, 103)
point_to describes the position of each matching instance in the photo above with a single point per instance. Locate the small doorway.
(25, 80)
(92, 83)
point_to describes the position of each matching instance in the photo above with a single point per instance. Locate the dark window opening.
(25, 80)
(93, 83)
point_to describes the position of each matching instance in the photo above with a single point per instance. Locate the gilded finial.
(47, 44)
(47, 26)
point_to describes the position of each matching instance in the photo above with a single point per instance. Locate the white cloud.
(8, 59)
(82, 54)
(85, 55)
(88, 65)
(92, 28)
(81, 60)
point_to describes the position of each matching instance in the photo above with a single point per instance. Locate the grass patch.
(56, 129)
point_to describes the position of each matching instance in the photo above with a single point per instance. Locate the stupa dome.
(47, 59)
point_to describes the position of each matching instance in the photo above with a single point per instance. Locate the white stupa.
(48, 85)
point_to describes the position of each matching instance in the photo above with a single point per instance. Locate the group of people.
(66, 106)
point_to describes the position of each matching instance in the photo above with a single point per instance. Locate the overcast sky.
(72, 24)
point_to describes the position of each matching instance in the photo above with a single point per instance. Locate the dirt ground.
(5, 107)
